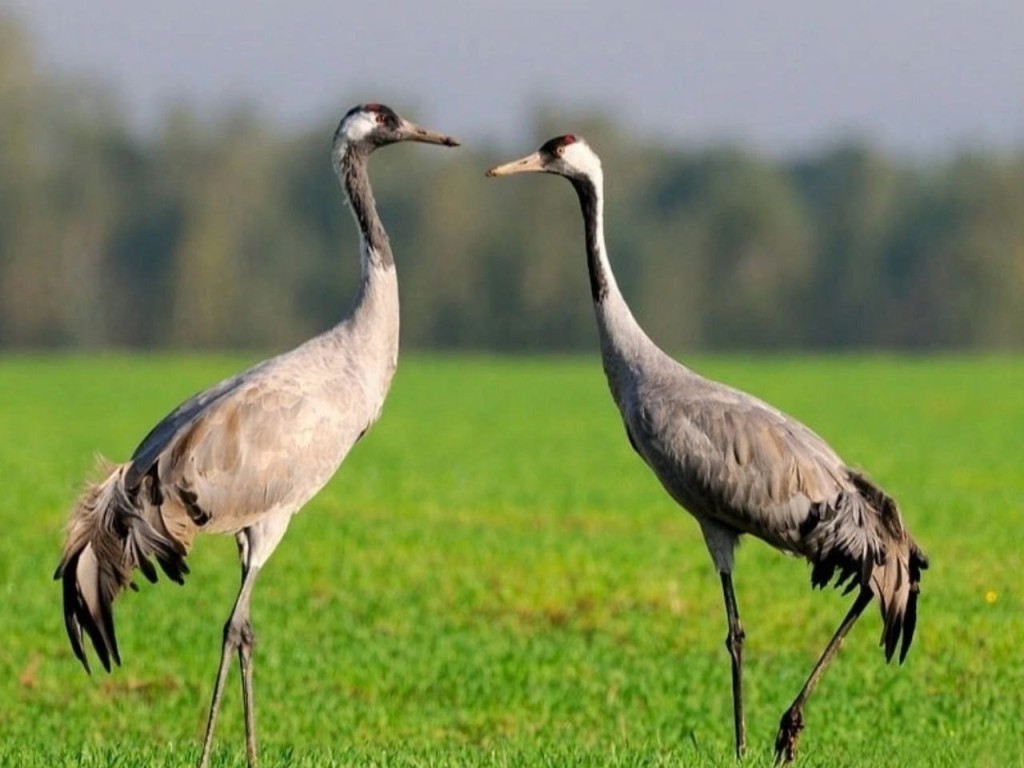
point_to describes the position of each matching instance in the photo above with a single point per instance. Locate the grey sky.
(918, 75)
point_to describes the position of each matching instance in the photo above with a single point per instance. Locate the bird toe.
(791, 725)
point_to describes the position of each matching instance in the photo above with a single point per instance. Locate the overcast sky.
(784, 76)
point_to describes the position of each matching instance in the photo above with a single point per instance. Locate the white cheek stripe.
(581, 156)
(358, 127)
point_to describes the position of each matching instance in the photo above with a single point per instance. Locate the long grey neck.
(374, 317)
(351, 170)
(625, 347)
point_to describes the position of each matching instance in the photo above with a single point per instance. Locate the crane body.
(245, 455)
(739, 465)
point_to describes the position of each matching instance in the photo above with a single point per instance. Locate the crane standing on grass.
(245, 455)
(739, 465)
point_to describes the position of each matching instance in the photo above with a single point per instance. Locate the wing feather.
(170, 427)
(730, 456)
(235, 458)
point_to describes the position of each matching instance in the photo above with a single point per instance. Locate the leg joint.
(734, 640)
(239, 634)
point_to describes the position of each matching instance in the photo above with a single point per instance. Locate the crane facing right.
(740, 466)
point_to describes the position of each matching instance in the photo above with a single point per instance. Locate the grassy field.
(494, 579)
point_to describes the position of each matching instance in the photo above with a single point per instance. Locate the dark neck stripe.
(364, 208)
(587, 193)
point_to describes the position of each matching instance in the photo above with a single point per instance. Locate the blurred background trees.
(221, 231)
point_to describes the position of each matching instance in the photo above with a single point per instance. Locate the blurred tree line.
(228, 233)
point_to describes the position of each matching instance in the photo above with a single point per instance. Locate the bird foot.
(789, 734)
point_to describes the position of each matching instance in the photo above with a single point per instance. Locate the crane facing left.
(246, 454)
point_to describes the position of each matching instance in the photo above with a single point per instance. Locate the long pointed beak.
(415, 132)
(528, 164)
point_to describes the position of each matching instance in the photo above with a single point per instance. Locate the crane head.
(568, 156)
(375, 125)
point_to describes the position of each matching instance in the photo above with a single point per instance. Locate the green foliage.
(219, 231)
(494, 579)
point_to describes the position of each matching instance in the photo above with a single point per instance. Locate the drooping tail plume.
(110, 534)
(894, 574)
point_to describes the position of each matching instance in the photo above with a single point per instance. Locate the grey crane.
(740, 466)
(246, 454)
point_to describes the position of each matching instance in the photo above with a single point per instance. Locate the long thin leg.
(226, 653)
(245, 662)
(793, 720)
(734, 642)
(238, 636)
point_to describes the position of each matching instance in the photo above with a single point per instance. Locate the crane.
(740, 466)
(245, 455)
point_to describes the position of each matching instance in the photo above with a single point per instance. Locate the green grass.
(494, 579)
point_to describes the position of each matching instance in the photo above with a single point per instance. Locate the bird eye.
(560, 150)
(379, 117)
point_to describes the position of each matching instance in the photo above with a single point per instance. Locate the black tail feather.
(869, 547)
(108, 538)
(79, 620)
(918, 563)
(72, 610)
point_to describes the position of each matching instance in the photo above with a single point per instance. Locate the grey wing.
(728, 455)
(263, 447)
(172, 424)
